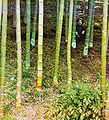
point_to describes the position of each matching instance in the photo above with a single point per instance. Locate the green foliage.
(25, 83)
(81, 102)
(6, 107)
(26, 75)
(10, 95)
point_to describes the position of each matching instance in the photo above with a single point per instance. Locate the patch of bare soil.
(28, 112)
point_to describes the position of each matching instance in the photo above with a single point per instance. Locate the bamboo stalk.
(92, 27)
(83, 5)
(66, 19)
(3, 58)
(57, 9)
(25, 12)
(59, 30)
(40, 47)
(69, 74)
(0, 14)
(28, 17)
(0, 18)
(108, 29)
(19, 69)
(103, 49)
(88, 27)
(57, 19)
(34, 25)
(74, 25)
(105, 7)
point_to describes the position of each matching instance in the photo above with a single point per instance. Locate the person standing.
(80, 31)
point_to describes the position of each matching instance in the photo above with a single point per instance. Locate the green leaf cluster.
(80, 102)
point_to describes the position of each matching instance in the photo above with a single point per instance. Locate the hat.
(80, 19)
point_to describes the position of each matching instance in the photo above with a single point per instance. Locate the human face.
(80, 22)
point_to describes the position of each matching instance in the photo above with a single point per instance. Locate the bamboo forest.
(54, 60)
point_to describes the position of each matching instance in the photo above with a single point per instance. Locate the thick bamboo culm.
(59, 30)
(34, 25)
(69, 71)
(19, 68)
(40, 47)
(103, 49)
(0, 14)
(88, 27)
(28, 19)
(106, 12)
(3, 58)
(66, 19)
(74, 25)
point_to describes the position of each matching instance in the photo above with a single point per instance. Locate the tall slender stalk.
(59, 30)
(66, 19)
(34, 25)
(103, 49)
(18, 40)
(83, 5)
(108, 28)
(74, 25)
(92, 26)
(88, 27)
(57, 9)
(3, 57)
(57, 19)
(105, 36)
(0, 18)
(40, 47)
(0, 13)
(69, 43)
(25, 12)
(28, 19)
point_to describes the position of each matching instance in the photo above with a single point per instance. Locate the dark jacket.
(79, 29)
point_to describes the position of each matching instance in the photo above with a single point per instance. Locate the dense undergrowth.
(80, 102)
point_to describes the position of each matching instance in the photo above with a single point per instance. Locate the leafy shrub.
(81, 102)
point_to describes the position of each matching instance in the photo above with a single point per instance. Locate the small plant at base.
(81, 102)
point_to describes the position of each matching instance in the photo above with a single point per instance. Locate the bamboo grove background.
(38, 24)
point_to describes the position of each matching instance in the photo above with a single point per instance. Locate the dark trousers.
(80, 38)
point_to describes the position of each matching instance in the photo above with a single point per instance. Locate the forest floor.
(84, 68)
